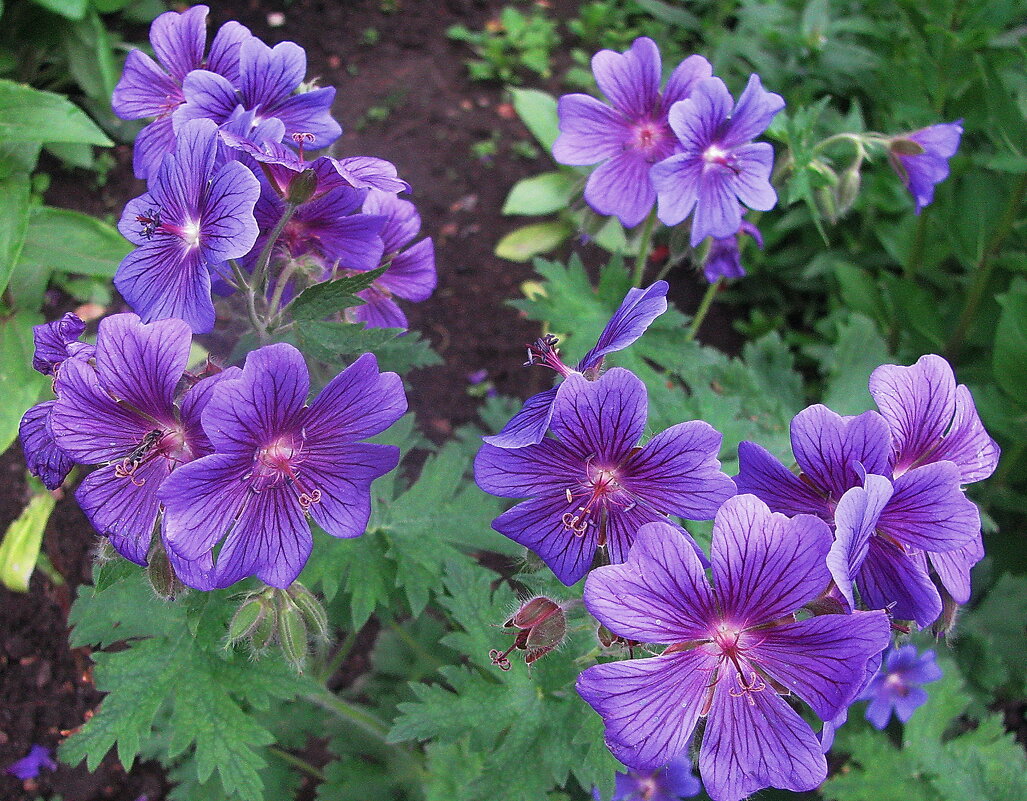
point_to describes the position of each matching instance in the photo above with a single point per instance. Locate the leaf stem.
(297, 762)
(339, 657)
(643, 248)
(260, 270)
(704, 308)
(351, 712)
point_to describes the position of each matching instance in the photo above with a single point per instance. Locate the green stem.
(412, 643)
(283, 279)
(339, 657)
(983, 270)
(351, 712)
(703, 310)
(259, 328)
(643, 248)
(296, 762)
(916, 252)
(260, 270)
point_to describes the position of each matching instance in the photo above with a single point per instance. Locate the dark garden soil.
(434, 116)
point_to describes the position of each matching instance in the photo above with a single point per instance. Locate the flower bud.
(314, 614)
(292, 635)
(161, 574)
(250, 616)
(302, 187)
(847, 191)
(946, 621)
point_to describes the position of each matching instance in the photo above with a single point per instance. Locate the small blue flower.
(897, 686)
(28, 767)
(672, 782)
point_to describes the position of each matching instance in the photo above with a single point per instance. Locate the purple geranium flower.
(719, 167)
(627, 139)
(921, 158)
(933, 420)
(635, 314)
(126, 414)
(735, 650)
(673, 782)
(411, 272)
(38, 758)
(923, 509)
(897, 686)
(267, 79)
(192, 219)
(592, 486)
(725, 257)
(154, 89)
(279, 460)
(58, 341)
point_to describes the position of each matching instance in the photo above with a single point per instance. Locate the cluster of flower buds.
(292, 618)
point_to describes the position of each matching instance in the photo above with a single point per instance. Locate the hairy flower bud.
(302, 187)
(292, 634)
(847, 191)
(161, 574)
(541, 624)
(313, 611)
(249, 617)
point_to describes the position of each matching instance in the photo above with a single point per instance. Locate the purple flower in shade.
(29, 766)
(718, 166)
(267, 79)
(592, 486)
(125, 413)
(921, 158)
(725, 257)
(884, 527)
(734, 650)
(897, 686)
(151, 88)
(279, 460)
(635, 314)
(627, 139)
(932, 420)
(58, 341)
(411, 272)
(672, 782)
(193, 218)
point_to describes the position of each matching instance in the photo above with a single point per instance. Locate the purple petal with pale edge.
(528, 471)
(953, 568)
(310, 113)
(124, 509)
(917, 402)
(343, 474)
(650, 706)
(753, 113)
(538, 525)
(411, 275)
(676, 180)
(762, 475)
(195, 573)
(207, 96)
(634, 315)
(684, 79)
(717, 212)
(967, 444)
(178, 39)
(766, 565)
(529, 425)
(678, 472)
(660, 594)
(697, 120)
(152, 144)
(402, 222)
(194, 401)
(129, 225)
(353, 241)
(142, 364)
(164, 279)
(602, 419)
(631, 80)
(590, 131)
(87, 423)
(224, 50)
(144, 89)
(752, 165)
(929, 511)
(227, 226)
(822, 659)
(202, 499)
(827, 447)
(262, 404)
(891, 579)
(621, 187)
(855, 519)
(45, 459)
(359, 402)
(51, 341)
(756, 741)
(368, 172)
(268, 75)
(377, 311)
(271, 540)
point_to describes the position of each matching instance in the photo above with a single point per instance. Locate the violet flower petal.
(953, 568)
(635, 314)
(929, 510)
(46, 460)
(891, 579)
(855, 520)
(590, 131)
(762, 475)
(827, 447)
(529, 425)
(604, 418)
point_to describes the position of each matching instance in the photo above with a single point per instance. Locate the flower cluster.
(229, 190)
(186, 458)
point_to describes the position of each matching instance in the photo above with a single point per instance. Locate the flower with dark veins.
(921, 158)
(897, 687)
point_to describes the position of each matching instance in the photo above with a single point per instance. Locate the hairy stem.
(297, 762)
(703, 310)
(351, 712)
(260, 270)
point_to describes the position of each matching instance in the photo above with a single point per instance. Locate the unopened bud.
(825, 200)
(302, 187)
(161, 574)
(292, 635)
(247, 619)
(541, 624)
(264, 632)
(901, 146)
(946, 621)
(313, 611)
(849, 183)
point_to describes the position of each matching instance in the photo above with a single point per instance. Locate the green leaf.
(525, 243)
(72, 9)
(673, 15)
(65, 241)
(20, 547)
(15, 191)
(31, 115)
(991, 621)
(858, 351)
(537, 111)
(541, 194)
(20, 385)
(1009, 359)
(320, 300)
